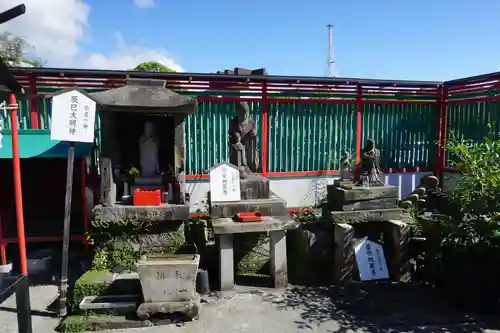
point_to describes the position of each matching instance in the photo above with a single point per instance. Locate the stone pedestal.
(257, 243)
(225, 228)
(349, 208)
(345, 197)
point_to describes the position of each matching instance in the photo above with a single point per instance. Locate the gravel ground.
(267, 311)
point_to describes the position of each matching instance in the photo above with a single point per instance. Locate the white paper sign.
(73, 117)
(225, 183)
(371, 261)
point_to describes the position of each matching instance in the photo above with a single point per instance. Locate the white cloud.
(56, 29)
(128, 56)
(144, 3)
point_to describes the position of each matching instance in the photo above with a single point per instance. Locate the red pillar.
(359, 122)
(265, 129)
(35, 124)
(17, 185)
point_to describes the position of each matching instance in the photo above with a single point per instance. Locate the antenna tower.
(330, 61)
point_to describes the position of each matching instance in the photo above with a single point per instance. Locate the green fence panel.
(470, 121)
(207, 135)
(309, 137)
(23, 113)
(404, 133)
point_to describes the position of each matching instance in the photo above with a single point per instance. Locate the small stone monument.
(169, 285)
(353, 205)
(228, 198)
(345, 166)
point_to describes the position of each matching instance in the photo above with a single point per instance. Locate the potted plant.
(470, 252)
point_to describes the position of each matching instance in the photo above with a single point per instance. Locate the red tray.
(248, 217)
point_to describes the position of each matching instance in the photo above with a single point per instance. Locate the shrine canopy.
(145, 96)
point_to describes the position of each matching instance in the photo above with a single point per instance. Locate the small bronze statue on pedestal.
(243, 141)
(370, 165)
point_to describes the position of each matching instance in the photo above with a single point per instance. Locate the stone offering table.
(276, 226)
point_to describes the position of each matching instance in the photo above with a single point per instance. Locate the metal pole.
(63, 288)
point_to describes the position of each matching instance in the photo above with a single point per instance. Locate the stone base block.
(254, 187)
(190, 309)
(118, 213)
(268, 207)
(349, 194)
(384, 203)
(344, 260)
(360, 216)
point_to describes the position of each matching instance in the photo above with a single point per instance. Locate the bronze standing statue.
(243, 141)
(370, 164)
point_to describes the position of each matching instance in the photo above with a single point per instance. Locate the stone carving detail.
(243, 141)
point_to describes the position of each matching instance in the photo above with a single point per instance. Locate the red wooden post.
(35, 124)
(265, 129)
(17, 185)
(437, 153)
(359, 122)
(444, 128)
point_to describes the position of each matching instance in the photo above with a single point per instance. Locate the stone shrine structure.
(256, 196)
(366, 207)
(142, 129)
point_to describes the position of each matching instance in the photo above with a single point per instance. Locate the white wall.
(306, 191)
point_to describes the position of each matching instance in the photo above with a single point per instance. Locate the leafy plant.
(475, 227)
(304, 215)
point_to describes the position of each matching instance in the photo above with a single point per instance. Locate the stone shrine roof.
(145, 96)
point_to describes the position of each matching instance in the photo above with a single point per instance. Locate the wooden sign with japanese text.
(225, 183)
(371, 261)
(73, 117)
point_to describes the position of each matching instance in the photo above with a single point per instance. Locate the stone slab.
(108, 302)
(367, 204)
(355, 193)
(228, 226)
(360, 216)
(254, 187)
(165, 212)
(109, 322)
(189, 309)
(268, 207)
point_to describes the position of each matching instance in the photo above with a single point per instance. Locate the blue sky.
(427, 40)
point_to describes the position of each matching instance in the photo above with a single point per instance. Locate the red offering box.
(249, 217)
(147, 197)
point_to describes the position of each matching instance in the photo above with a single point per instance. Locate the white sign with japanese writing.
(225, 183)
(371, 261)
(73, 117)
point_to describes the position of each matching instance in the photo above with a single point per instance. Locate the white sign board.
(73, 117)
(225, 183)
(371, 261)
